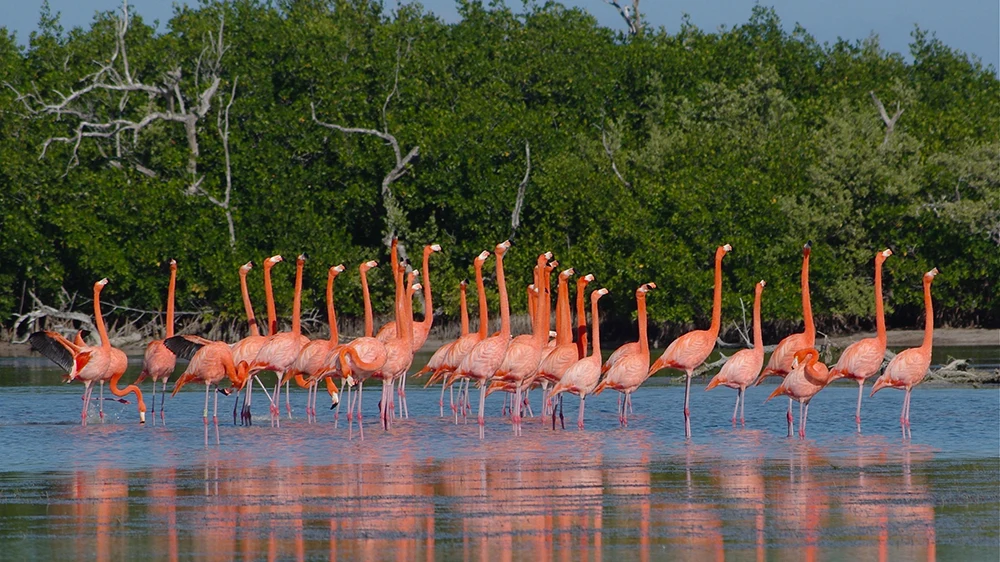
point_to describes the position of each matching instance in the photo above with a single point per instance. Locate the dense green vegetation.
(752, 136)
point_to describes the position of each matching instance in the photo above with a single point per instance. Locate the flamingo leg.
(516, 410)
(482, 410)
(163, 395)
(628, 400)
(288, 402)
(789, 417)
(802, 419)
(857, 413)
(100, 405)
(687, 409)
(743, 402)
(562, 420)
(153, 405)
(441, 401)
(86, 403)
(805, 420)
(579, 418)
(361, 429)
(402, 396)
(215, 416)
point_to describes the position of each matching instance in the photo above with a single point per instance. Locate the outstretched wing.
(185, 346)
(54, 346)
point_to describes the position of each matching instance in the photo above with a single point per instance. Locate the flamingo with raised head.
(211, 362)
(690, 350)
(780, 363)
(565, 352)
(438, 359)
(909, 367)
(399, 350)
(247, 348)
(362, 357)
(743, 366)
(158, 362)
(803, 382)
(423, 328)
(484, 359)
(863, 358)
(631, 368)
(90, 364)
(310, 364)
(281, 349)
(581, 378)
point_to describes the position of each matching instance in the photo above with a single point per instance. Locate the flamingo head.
(482, 257)
(269, 262)
(881, 256)
(552, 265)
(502, 248)
(173, 265)
(336, 270)
(588, 277)
(301, 259)
(100, 284)
(598, 293)
(566, 273)
(930, 275)
(417, 286)
(645, 288)
(245, 268)
(368, 265)
(464, 283)
(807, 249)
(727, 248)
(761, 284)
(434, 247)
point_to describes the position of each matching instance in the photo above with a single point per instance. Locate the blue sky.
(972, 26)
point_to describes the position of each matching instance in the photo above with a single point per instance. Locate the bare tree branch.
(515, 216)
(222, 125)
(890, 123)
(631, 16)
(611, 156)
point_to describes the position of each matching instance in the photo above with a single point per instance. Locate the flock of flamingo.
(493, 362)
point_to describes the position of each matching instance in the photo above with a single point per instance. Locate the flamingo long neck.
(596, 321)
(369, 319)
(532, 304)
(717, 296)
(807, 311)
(484, 312)
(102, 330)
(408, 318)
(929, 320)
(758, 337)
(428, 320)
(331, 314)
(581, 319)
(170, 301)
(247, 305)
(463, 305)
(504, 305)
(541, 334)
(879, 309)
(272, 315)
(640, 300)
(127, 390)
(564, 323)
(297, 299)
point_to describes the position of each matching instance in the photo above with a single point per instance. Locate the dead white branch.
(630, 15)
(515, 216)
(890, 123)
(609, 150)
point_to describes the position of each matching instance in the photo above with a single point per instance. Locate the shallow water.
(431, 489)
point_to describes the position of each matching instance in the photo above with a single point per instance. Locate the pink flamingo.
(581, 378)
(310, 364)
(211, 363)
(282, 348)
(423, 328)
(90, 364)
(631, 369)
(803, 382)
(909, 367)
(581, 316)
(690, 350)
(438, 359)
(863, 358)
(246, 349)
(524, 352)
(399, 350)
(742, 367)
(484, 359)
(159, 362)
(363, 357)
(565, 352)
(780, 362)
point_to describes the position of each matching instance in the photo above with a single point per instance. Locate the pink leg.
(288, 401)
(857, 413)
(789, 417)
(687, 409)
(100, 405)
(86, 403)
(482, 410)
(736, 408)
(743, 402)
(805, 420)
(583, 402)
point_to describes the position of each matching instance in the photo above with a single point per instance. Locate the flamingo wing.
(909, 367)
(185, 346)
(781, 360)
(58, 349)
(861, 359)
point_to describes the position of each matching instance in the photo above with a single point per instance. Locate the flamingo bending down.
(211, 363)
(524, 352)
(483, 359)
(281, 349)
(361, 358)
(780, 362)
(90, 364)
(247, 348)
(631, 369)
(690, 350)
(804, 381)
(309, 366)
(909, 367)
(158, 363)
(863, 358)
(581, 378)
(743, 366)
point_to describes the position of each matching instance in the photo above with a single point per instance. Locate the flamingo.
(631, 368)
(90, 364)
(399, 350)
(780, 362)
(280, 350)
(524, 352)
(210, 363)
(159, 362)
(909, 367)
(581, 378)
(690, 350)
(742, 367)
(437, 360)
(423, 328)
(804, 381)
(309, 365)
(362, 357)
(581, 316)
(863, 358)
(465, 343)
(565, 352)
(247, 348)
(484, 359)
